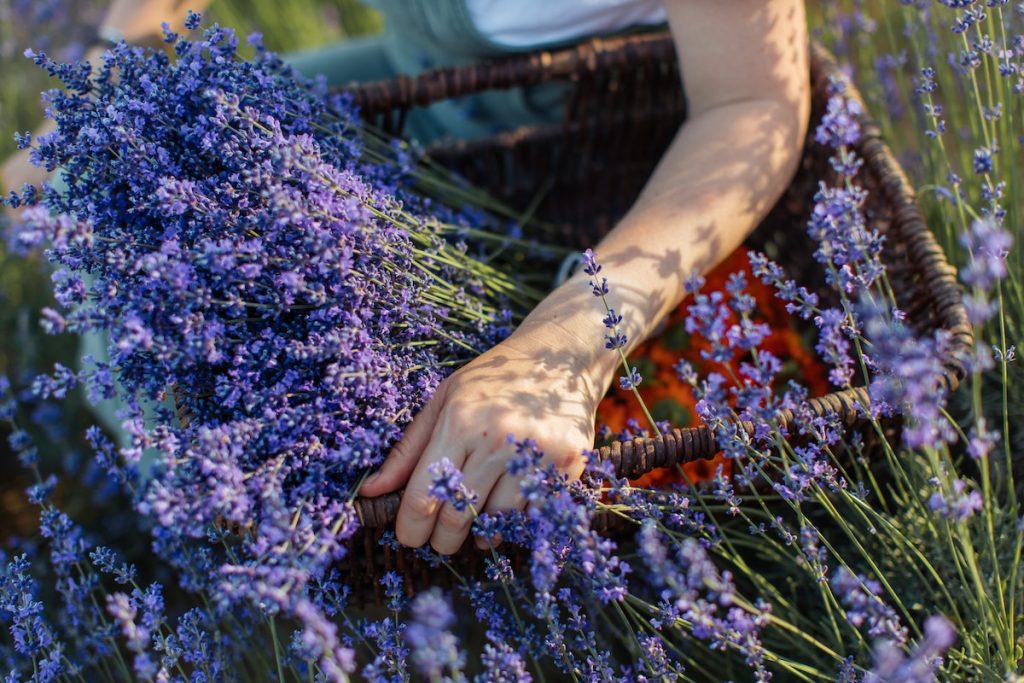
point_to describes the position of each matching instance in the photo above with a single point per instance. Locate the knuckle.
(400, 450)
(506, 424)
(456, 414)
(567, 457)
(452, 520)
(419, 503)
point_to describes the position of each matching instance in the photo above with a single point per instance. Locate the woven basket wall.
(626, 104)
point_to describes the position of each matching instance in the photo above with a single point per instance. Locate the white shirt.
(524, 23)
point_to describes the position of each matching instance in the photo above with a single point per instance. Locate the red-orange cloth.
(670, 398)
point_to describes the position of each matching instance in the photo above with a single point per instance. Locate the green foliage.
(299, 24)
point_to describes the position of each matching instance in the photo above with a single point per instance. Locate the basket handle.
(631, 459)
(597, 54)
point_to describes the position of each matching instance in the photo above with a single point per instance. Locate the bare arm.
(745, 66)
(745, 69)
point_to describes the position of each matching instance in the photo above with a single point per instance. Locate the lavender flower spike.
(435, 650)
(446, 485)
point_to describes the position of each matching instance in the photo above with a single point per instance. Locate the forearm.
(721, 175)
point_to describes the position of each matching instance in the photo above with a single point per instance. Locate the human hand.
(531, 385)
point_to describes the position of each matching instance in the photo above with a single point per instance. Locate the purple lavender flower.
(988, 245)
(840, 125)
(631, 380)
(909, 375)
(434, 649)
(865, 608)
(20, 609)
(892, 665)
(708, 316)
(834, 346)
(844, 241)
(981, 440)
(692, 589)
(446, 485)
(982, 161)
(247, 248)
(502, 664)
(590, 265)
(389, 662)
(958, 503)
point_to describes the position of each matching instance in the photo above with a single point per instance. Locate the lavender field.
(278, 288)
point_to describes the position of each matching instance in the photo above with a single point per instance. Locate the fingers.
(418, 511)
(506, 495)
(481, 471)
(404, 455)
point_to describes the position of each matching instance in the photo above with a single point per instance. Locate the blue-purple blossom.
(982, 160)
(840, 125)
(959, 503)
(502, 664)
(865, 608)
(631, 380)
(981, 440)
(389, 662)
(434, 649)
(709, 316)
(693, 591)
(22, 612)
(909, 375)
(891, 665)
(834, 345)
(615, 340)
(251, 258)
(988, 245)
(1007, 356)
(446, 485)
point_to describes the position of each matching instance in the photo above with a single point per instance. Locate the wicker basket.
(625, 105)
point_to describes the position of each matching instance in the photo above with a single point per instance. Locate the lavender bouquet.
(257, 257)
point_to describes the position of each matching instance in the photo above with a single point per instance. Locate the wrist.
(568, 323)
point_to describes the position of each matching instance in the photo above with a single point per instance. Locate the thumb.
(404, 455)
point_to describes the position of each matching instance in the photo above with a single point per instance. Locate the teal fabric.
(356, 60)
(427, 34)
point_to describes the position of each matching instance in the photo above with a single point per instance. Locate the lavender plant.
(951, 92)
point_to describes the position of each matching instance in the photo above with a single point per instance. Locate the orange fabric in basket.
(666, 395)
